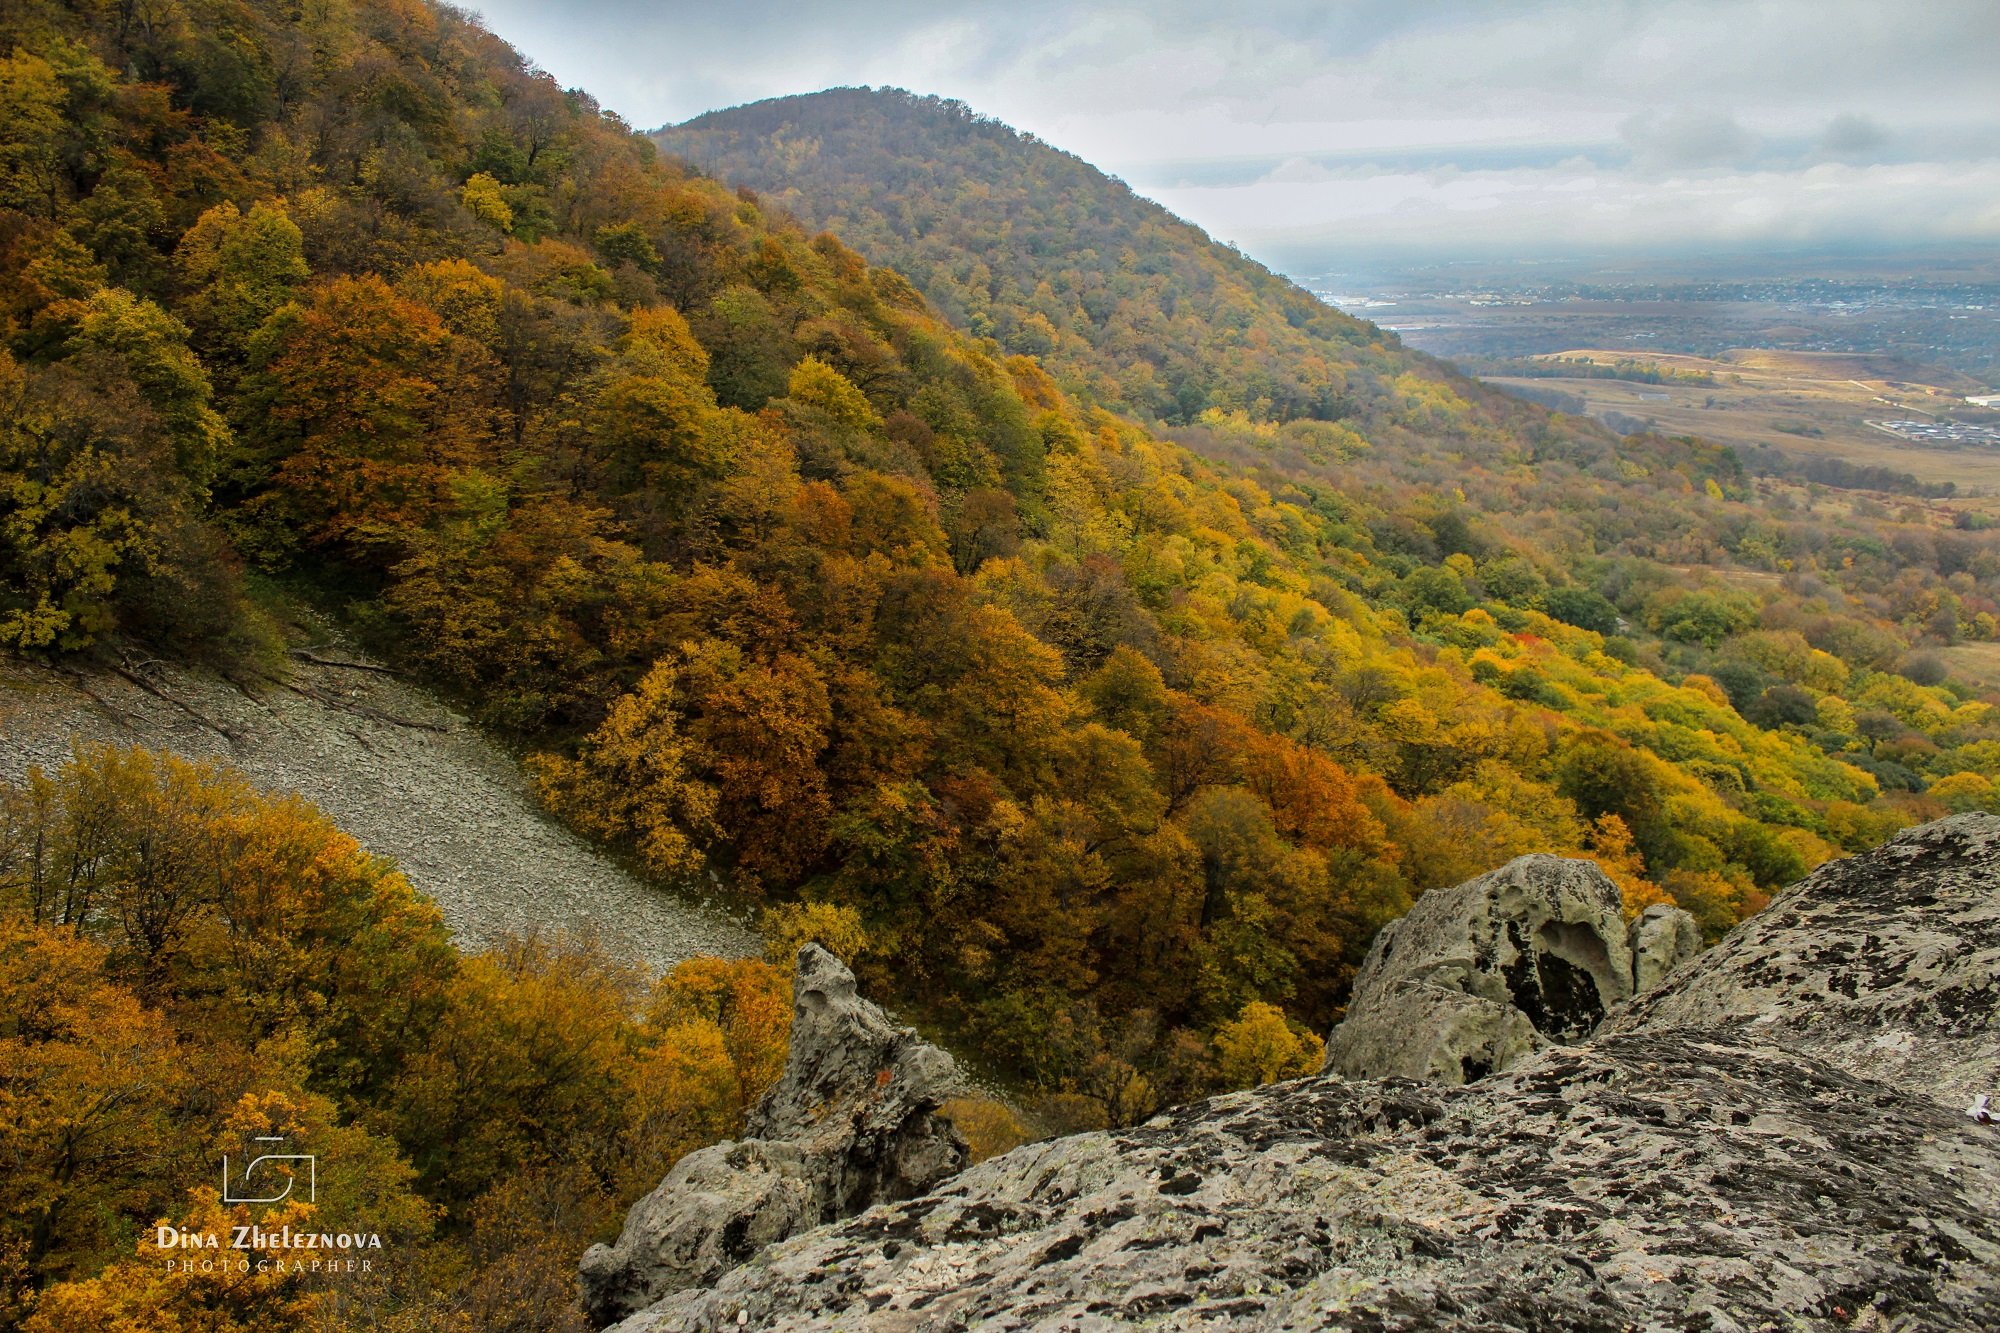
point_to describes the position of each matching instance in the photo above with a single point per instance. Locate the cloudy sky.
(1310, 133)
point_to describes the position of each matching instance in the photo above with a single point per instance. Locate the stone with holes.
(1480, 975)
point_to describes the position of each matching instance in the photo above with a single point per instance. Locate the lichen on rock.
(1655, 1180)
(852, 1122)
(1886, 964)
(1760, 1143)
(1479, 975)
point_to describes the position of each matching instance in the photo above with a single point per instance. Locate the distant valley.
(1869, 360)
(1870, 412)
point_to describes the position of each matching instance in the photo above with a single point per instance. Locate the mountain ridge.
(1072, 318)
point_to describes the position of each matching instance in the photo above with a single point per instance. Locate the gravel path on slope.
(407, 777)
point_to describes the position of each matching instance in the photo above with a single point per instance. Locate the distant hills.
(1103, 741)
(1013, 239)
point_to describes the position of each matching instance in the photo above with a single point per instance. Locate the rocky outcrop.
(851, 1123)
(1733, 1176)
(1886, 964)
(1477, 976)
(1433, 1033)
(1652, 1180)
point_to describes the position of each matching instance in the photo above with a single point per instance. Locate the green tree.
(151, 346)
(1259, 1046)
(484, 198)
(240, 268)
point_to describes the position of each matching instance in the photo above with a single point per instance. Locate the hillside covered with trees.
(1102, 745)
(1422, 465)
(1013, 239)
(187, 964)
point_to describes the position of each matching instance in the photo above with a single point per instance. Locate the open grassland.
(1803, 403)
(1976, 662)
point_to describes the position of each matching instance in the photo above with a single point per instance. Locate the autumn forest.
(1086, 633)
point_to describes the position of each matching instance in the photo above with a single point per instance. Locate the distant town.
(1940, 432)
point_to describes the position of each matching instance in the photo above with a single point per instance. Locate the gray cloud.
(1447, 124)
(1686, 139)
(1854, 138)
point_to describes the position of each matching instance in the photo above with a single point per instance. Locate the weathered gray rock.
(858, 1093)
(1661, 939)
(1651, 1181)
(717, 1207)
(1886, 965)
(1479, 975)
(1413, 1029)
(1656, 1177)
(851, 1123)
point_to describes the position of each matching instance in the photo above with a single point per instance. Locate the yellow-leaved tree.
(634, 780)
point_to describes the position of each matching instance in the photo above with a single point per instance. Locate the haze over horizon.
(1315, 135)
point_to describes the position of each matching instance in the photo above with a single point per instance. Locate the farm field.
(1803, 403)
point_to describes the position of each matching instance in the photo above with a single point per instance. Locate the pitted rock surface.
(1479, 975)
(1886, 964)
(1655, 1180)
(1413, 1029)
(851, 1123)
(1658, 1178)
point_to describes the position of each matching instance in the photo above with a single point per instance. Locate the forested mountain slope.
(1106, 753)
(1441, 489)
(1016, 240)
(789, 582)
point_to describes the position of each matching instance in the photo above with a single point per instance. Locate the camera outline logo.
(283, 1160)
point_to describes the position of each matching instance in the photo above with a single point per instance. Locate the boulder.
(1661, 939)
(1886, 964)
(1414, 1029)
(1479, 975)
(851, 1123)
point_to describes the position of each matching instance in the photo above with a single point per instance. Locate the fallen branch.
(81, 684)
(182, 704)
(363, 710)
(306, 656)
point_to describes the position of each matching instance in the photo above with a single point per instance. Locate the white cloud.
(1541, 212)
(1691, 121)
(1298, 171)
